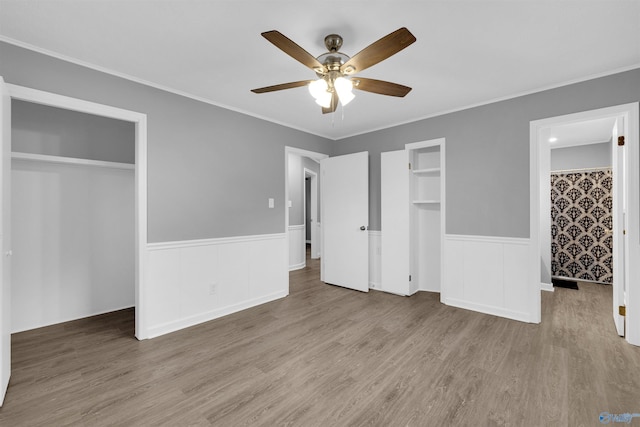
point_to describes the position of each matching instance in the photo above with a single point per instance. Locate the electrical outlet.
(213, 289)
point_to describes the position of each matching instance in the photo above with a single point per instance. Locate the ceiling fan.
(335, 69)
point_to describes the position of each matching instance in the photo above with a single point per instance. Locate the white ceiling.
(467, 52)
(587, 132)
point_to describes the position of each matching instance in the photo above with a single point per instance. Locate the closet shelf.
(425, 202)
(429, 171)
(70, 161)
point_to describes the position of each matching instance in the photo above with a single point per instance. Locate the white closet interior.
(73, 218)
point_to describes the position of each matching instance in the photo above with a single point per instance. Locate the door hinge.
(621, 140)
(409, 166)
(624, 231)
(622, 310)
(409, 277)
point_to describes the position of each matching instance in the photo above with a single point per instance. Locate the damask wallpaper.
(581, 225)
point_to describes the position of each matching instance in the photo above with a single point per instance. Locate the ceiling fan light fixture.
(324, 100)
(318, 88)
(344, 89)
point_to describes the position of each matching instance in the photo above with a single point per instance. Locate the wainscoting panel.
(196, 281)
(375, 238)
(487, 274)
(297, 247)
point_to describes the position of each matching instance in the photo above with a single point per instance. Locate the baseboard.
(547, 287)
(212, 315)
(297, 266)
(487, 309)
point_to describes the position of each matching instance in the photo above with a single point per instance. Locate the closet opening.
(73, 215)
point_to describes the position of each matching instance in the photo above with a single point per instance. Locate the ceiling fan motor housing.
(333, 42)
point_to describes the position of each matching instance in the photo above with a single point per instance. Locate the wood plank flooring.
(328, 356)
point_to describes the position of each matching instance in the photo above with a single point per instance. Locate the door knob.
(363, 228)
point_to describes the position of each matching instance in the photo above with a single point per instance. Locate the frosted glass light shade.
(318, 88)
(344, 89)
(324, 100)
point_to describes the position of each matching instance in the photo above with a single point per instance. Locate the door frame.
(140, 120)
(301, 153)
(313, 195)
(539, 168)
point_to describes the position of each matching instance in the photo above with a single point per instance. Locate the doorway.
(582, 203)
(72, 219)
(299, 164)
(625, 227)
(139, 120)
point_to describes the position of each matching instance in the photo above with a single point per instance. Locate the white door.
(619, 226)
(394, 200)
(5, 238)
(345, 220)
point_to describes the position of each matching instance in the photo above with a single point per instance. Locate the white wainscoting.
(375, 280)
(191, 282)
(488, 274)
(297, 247)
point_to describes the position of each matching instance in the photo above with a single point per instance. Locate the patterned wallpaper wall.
(581, 225)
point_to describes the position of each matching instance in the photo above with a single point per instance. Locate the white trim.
(296, 227)
(65, 102)
(548, 287)
(179, 244)
(538, 149)
(238, 110)
(70, 161)
(488, 239)
(489, 309)
(169, 327)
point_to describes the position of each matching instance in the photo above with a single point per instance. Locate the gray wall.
(581, 156)
(487, 152)
(210, 170)
(39, 129)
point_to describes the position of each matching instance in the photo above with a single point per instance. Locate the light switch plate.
(271, 203)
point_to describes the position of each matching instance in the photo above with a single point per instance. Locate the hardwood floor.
(331, 356)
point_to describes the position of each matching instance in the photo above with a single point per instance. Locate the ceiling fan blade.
(333, 106)
(289, 47)
(281, 86)
(379, 86)
(378, 51)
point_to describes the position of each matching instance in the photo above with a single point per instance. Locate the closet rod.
(71, 161)
(580, 170)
